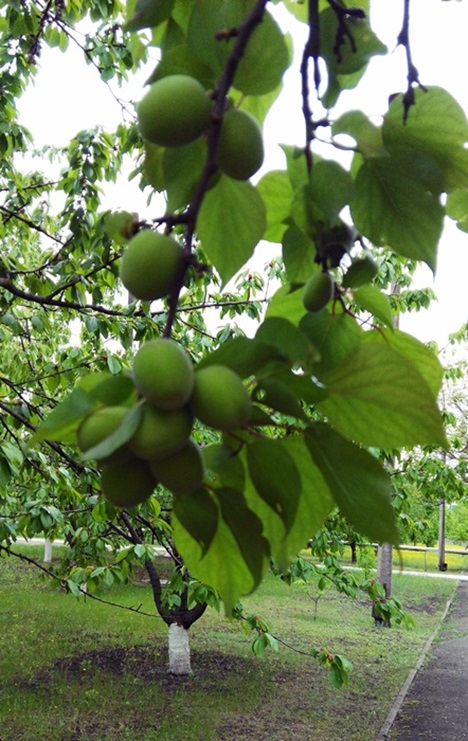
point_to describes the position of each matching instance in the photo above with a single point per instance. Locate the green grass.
(77, 669)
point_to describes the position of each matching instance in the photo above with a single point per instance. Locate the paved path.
(435, 707)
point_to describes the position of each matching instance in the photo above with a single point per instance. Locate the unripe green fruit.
(163, 373)
(181, 472)
(127, 484)
(361, 271)
(161, 432)
(318, 291)
(149, 265)
(99, 425)
(240, 152)
(219, 398)
(175, 111)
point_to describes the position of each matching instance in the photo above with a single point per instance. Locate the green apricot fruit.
(99, 425)
(161, 432)
(150, 264)
(127, 484)
(219, 398)
(163, 373)
(240, 152)
(318, 291)
(361, 271)
(181, 472)
(175, 111)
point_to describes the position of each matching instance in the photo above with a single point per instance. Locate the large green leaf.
(315, 502)
(334, 336)
(287, 303)
(359, 484)
(149, 13)
(357, 48)
(457, 208)
(277, 193)
(275, 476)
(121, 435)
(265, 60)
(422, 357)
(292, 345)
(65, 417)
(195, 517)
(370, 298)
(298, 255)
(231, 222)
(392, 207)
(379, 398)
(368, 137)
(238, 554)
(244, 355)
(182, 167)
(437, 127)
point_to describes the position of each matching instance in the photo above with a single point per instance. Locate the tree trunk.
(47, 551)
(179, 650)
(384, 576)
(442, 563)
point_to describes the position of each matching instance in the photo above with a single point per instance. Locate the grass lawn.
(77, 669)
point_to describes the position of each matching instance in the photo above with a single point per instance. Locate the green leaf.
(5, 470)
(183, 167)
(277, 193)
(421, 356)
(315, 502)
(287, 303)
(367, 136)
(370, 298)
(107, 389)
(265, 59)
(291, 344)
(457, 208)
(436, 127)
(231, 222)
(275, 476)
(379, 398)
(195, 522)
(391, 207)
(119, 437)
(65, 417)
(237, 555)
(334, 336)
(298, 255)
(244, 355)
(359, 485)
(149, 13)
(277, 394)
(357, 48)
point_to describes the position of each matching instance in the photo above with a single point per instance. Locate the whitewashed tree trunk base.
(179, 650)
(47, 551)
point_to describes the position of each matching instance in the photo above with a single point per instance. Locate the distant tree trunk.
(442, 563)
(384, 576)
(353, 547)
(47, 551)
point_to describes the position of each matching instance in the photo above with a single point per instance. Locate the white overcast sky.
(68, 96)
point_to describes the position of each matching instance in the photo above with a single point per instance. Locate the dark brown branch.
(412, 74)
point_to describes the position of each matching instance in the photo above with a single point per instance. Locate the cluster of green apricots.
(172, 393)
